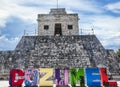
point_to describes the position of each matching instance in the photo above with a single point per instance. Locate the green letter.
(77, 75)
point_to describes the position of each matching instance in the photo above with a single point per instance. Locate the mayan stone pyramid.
(59, 45)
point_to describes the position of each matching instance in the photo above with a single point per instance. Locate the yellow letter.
(48, 73)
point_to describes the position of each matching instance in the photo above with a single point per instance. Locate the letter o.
(31, 77)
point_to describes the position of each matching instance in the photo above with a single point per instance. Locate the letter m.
(77, 75)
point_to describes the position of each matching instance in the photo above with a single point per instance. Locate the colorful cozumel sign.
(85, 77)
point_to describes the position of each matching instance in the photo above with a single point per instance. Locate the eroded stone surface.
(59, 51)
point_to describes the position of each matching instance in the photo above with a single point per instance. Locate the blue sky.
(19, 15)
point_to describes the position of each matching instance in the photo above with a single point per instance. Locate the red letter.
(104, 78)
(14, 79)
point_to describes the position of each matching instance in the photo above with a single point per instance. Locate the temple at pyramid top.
(58, 11)
(58, 23)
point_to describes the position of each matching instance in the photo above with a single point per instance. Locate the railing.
(30, 33)
(81, 32)
(86, 31)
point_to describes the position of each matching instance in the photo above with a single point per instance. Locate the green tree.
(118, 53)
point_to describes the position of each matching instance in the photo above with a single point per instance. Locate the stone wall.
(59, 51)
(57, 16)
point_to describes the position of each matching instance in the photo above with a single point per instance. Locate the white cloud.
(107, 24)
(83, 5)
(114, 7)
(3, 18)
(20, 8)
(12, 8)
(111, 43)
(107, 28)
(7, 44)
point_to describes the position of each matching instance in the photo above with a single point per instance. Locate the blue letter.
(93, 77)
